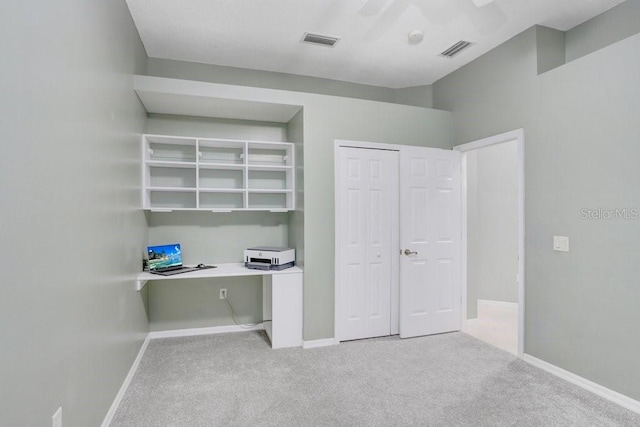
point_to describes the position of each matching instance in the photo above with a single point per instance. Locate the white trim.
(125, 385)
(518, 136)
(364, 144)
(463, 244)
(320, 343)
(613, 396)
(498, 303)
(204, 331)
(337, 306)
(395, 234)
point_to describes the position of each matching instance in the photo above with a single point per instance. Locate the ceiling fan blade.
(387, 18)
(487, 19)
(481, 3)
(372, 7)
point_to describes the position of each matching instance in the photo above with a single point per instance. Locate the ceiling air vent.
(320, 39)
(456, 49)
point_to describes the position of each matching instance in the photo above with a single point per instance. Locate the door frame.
(517, 136)
(395, 238)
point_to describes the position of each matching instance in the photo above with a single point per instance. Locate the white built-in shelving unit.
(219, 175)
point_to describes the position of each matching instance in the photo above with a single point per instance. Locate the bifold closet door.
(430, 241)
(368, 195)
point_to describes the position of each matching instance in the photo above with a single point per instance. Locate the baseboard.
(613, 396)
(320, 343)
(498, 303)
(204, 331)
(125, 385)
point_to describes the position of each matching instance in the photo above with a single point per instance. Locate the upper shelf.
(180, 173)
(191, 98)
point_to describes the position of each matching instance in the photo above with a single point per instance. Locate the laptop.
(166, 260)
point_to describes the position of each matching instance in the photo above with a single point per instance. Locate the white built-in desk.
(281, 297)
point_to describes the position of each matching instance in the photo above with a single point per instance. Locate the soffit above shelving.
(179, 97)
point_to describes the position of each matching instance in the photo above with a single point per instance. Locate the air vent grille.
(320, 39)
(456, 49)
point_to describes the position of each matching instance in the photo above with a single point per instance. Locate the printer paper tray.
(265, 266)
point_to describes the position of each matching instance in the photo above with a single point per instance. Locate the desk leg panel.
(282, 299)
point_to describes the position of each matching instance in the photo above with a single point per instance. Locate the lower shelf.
(269, 200)
(215, 201)
(221, 201)
(171, 199)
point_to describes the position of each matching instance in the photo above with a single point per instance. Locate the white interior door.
(430, 241)
(367, 209)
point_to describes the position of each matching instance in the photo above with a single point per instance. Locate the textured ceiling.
(374, 47)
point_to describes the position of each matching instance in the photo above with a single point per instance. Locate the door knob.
(408, 252)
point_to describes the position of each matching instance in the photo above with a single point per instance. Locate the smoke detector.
(415, 36)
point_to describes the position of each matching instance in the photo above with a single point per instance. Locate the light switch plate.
(561, 243)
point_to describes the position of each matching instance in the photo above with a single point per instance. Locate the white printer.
(269, 258)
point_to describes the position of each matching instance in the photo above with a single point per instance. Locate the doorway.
(493, 222)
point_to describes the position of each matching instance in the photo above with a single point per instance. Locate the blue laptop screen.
(164, 256)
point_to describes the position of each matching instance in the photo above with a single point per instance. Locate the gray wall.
(266, 79)
(492, 94)
(492, 224)
(581, 132)
(419, 96)
(588, 143)
(616, 24)
(551, 46)
(72, 232)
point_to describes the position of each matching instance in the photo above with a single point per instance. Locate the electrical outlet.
(56, 419)
(223, 293)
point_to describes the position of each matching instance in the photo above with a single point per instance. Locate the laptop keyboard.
(176, 271)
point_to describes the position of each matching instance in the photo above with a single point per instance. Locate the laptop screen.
(164, 256)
